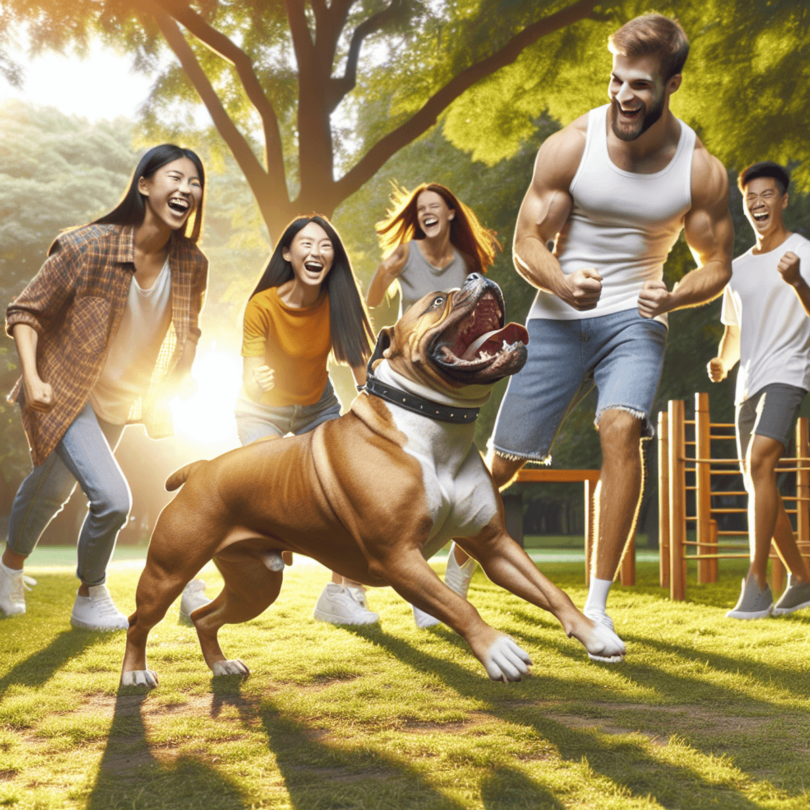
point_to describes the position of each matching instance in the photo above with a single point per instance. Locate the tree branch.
(339, 88)
(248, 162)
(421, 121)
(225, 48)
(299, 28)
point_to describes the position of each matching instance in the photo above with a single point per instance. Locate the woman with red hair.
(431, 242)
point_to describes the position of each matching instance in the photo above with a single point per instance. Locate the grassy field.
(705, 713)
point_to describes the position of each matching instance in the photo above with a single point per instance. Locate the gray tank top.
(419, 276)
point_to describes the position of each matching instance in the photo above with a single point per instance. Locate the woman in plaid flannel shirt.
(106, 332)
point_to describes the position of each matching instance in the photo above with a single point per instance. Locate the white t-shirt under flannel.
(774, 328)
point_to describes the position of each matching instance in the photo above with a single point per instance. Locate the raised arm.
(709, 234)
(386, 274)
(728, 354)
(543, 214)
(790, 268)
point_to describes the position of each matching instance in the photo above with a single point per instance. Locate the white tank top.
(622, 223)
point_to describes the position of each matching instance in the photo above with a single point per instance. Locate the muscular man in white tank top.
(613, 190)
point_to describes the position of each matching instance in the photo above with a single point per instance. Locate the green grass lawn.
(705, 713)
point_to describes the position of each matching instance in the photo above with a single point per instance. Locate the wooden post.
(663, 498)
(703, 485)
(802, 486)
(677, 500)
(590, 489)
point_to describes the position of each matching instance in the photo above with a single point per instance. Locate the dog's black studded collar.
(410, 402)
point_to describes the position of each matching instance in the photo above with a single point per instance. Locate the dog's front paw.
(139, 677)
(603, 644)
(505, 661)
(235, 667)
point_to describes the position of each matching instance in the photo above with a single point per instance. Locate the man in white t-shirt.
(765, 309)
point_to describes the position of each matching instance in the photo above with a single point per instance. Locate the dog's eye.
(437, 302)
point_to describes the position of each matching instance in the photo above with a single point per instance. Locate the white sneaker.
(97, 611)
(343, 604)
(600, 617)
(193, 597)
(457, 578)
(12, 591)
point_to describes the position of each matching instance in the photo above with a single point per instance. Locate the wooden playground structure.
(686, 470)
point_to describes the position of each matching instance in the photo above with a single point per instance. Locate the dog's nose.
(474, 278)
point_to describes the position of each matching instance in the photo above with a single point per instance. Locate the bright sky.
(100, 86)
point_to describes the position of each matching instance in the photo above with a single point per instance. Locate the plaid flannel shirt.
(76, 302)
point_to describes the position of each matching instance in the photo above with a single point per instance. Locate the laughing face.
(638, 94)
(311, 255)
(434, 214)
(172, 193)
(764, 203)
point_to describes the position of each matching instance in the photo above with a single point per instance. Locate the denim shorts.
(622, 354)
(770, 412)
(256, 421)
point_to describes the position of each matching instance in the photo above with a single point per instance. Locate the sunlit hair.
(349, 323)
(132, 208)
(467, 235)
(653, 34)
(765, 168)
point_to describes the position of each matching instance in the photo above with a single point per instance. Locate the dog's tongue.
(511, 333)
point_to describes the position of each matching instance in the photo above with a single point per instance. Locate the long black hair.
(132, 208)
(349, 324)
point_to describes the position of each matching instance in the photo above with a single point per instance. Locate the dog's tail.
(179, 477)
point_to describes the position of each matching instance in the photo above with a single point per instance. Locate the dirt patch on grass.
(467, 726)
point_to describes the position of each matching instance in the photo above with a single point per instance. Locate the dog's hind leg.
(250, 588)
(156, 591)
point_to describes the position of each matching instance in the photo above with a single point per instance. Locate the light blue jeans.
(622, 354)
(256, 421)
(83, 456)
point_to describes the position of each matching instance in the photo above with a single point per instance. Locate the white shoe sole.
(777, 611)
(323, 616)
(745, 616)
(80, 625)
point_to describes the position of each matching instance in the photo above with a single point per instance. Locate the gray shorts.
(770, 412)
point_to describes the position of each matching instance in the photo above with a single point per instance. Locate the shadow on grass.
(40, 667)
(607, 755)
(131, 777)
(506, 789)
(321, 773)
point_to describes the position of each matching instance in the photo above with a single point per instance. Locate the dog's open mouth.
(477, 345)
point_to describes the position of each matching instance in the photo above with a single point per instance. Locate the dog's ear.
(383, 348)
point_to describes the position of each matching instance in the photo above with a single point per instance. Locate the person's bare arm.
(543, 214)
(728, 354)
(38, 394)
(790, 269)
(359, 374)
(709, 233)
(257, 377)
(386, 274)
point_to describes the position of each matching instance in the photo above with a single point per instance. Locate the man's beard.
(650, 117)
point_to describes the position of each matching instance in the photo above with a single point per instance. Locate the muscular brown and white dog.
(372, 495)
